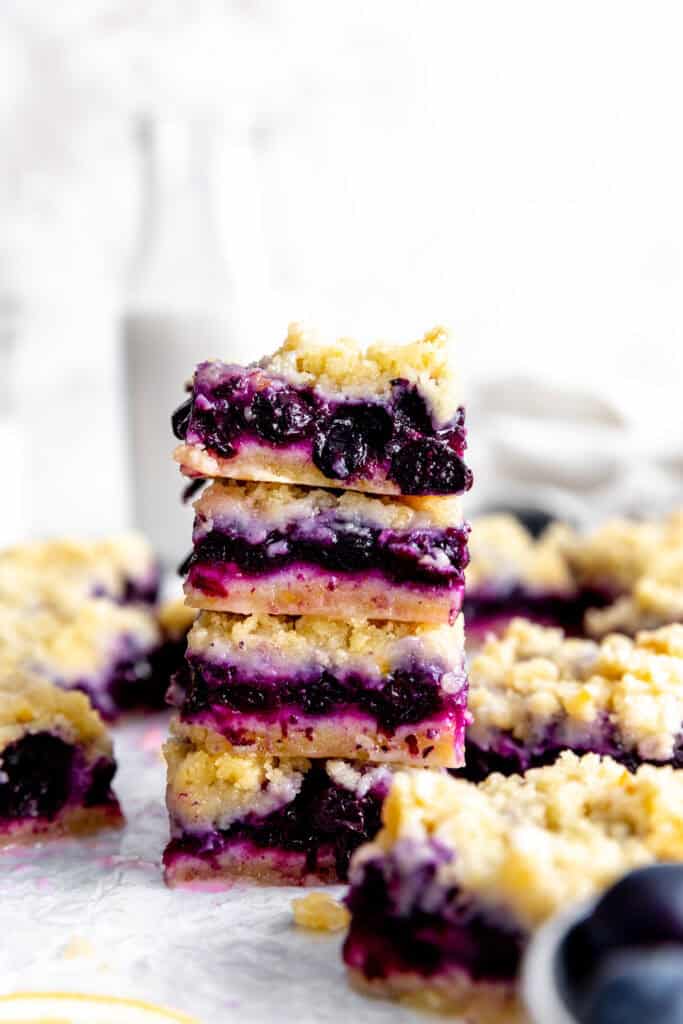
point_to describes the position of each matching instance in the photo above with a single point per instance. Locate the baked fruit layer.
(534, 692)
(269, 819)
(447, 895)
(283, 549)
(327, 688)
(56, 762)
(387, 419)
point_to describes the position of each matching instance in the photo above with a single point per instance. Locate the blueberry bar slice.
(443, 902)
(316, 687)
(122, 568)
(272, 820)
(512, 573)
(111, 652)
(287, 550)
(56, 762)
(387, 419)
(534, 692)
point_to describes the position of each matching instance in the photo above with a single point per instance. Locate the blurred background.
(183, 178)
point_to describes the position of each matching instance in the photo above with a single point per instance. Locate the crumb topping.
(620, 552)
(533, 676)
(344, 366)
(320, 912)
(30, 705)
(504, 553)
(377, 645)
(211, 786)
(78, 566)
(78, 640)
(532, 845)
(279, 504)
(656, 598)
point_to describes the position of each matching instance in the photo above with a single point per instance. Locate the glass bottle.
(175, 316)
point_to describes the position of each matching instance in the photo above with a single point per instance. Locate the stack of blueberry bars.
(328, 564)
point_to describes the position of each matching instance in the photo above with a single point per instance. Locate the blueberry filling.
(511, 756)
(485, 607)
(391, 933)
(323, 820)
(435, 557)
(402, 697)
(346, 439)
(41, 773)
(135, 679)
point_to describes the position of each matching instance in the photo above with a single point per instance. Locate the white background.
(511, 169)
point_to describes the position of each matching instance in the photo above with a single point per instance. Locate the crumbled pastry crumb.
(532, 676)
(77, 947)
(503, 552)
(30, 705)
(320, 912)
(278, 504)
(530, 845)
(329, 641)
(80, 565)
(344, 366)
(656, 599)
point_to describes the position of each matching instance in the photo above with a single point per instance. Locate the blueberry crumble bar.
(108, 651)
(272, 820)
(283, 549)
(123, 569)
(534, 693)
(56, 762)
(512, 573)
(387, 419)
(444, 900)
(317, 687)
(640, 565)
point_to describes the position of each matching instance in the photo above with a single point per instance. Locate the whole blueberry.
(643, 908)
(36, 776)
(637, 987)
(340, 447)
(428, 466)
(281, 416)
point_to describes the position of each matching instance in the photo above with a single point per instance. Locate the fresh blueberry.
(644, 987)
(340, 448)
(428, 466)
(181, 418)
(282, 416)
(643, 908)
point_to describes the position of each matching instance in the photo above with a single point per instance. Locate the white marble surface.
(512, 170)
(94, 916)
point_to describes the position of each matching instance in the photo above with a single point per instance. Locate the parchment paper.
(94, 916)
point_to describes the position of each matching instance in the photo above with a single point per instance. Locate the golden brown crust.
(73, 821)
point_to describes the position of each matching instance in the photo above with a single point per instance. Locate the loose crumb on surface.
(320, 912)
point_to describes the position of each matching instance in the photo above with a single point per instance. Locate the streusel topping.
(533, 844)
(503, 553)
(621, 551)
(209, 785)
(533, 676)
(275, 505)
(310, 638)
(656, 598)
(80, 565)
(344, 366)
(29, 704)
(77, 641)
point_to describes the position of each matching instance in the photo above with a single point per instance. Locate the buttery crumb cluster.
(328, 565)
